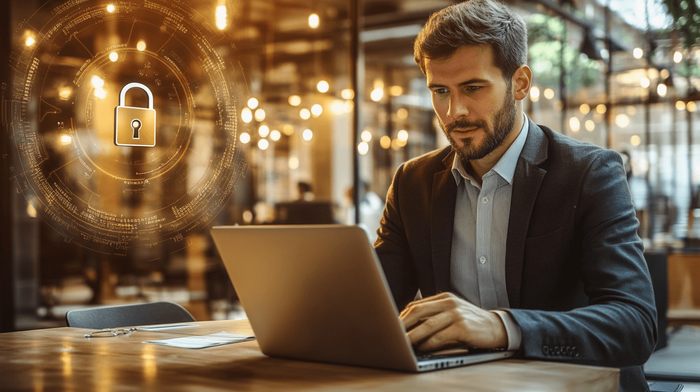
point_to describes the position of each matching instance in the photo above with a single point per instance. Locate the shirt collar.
(505, 167)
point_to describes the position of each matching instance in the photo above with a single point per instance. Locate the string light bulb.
(221, 15)
(637, 53)
(314, 21)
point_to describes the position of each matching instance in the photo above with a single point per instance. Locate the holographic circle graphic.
(65, 119)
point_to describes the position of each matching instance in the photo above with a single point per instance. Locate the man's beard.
(503, 121)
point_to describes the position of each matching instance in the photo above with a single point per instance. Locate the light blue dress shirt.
(477, 266)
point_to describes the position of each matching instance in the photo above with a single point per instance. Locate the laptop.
(318, 293)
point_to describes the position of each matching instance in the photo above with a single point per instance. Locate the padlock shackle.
(122, 94)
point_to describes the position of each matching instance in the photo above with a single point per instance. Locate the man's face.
(474, 104)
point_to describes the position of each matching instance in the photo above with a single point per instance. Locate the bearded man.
(516, 236)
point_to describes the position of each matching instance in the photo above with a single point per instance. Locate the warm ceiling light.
(385, 142)
(307, 135)
(362, 148)
(100, 93)
(64, 93)
(295, 100)
(402, 135)
(245, 138)
(645, 82)
(141, 46)
(110, 8)
(534, 94)
(114, 56)
(253, 103)
(288, 129)
(246, 115)
(661, 89)
(293, 163)
(637, 53)
(691, 106)
(263, 131)
(677, 57)
(259, 115)
(622, 120)
(549, 93)
(30, 41)
(584, 108)
(680, 105)
(347, 94)
(395, 91)
(97, 82)
(66, 139)
(314, 21)
(366, 136)
(635, 140)
(263, 144)
(402, 113)
(664, 74)
(377, 94)
(275, 135)
(323, 86)
(348, 106)
(316, 110)
(304, 114)
(575, 124)
(221, 16)
(601, 109)
(590, 125)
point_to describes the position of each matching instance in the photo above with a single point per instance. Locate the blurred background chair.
(128, 315)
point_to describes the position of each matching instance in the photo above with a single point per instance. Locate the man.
(517, 237)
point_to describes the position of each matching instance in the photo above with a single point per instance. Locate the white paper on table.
(215, 339)
(166, 326)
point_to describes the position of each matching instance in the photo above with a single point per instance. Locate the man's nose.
(457, 109)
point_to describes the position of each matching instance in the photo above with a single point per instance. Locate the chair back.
(128, 315)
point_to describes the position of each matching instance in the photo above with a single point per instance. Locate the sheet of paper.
(215, 339)
(166, 326)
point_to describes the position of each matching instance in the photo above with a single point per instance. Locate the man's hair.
(474, 22)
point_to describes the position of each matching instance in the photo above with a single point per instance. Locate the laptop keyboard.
(452, 353)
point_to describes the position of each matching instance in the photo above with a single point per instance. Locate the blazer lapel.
(444, 195)
(526, 185)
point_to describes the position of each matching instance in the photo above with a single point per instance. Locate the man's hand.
(446, 319)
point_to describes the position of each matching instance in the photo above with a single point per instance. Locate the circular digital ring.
(113, 176)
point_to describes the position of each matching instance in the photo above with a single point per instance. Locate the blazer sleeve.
(618, 326)
(393, 250)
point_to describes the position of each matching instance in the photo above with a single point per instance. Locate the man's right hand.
(445, 319)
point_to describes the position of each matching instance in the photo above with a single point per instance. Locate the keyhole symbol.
(136, 125)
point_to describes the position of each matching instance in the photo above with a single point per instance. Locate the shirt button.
(482, 259)
(485, 200)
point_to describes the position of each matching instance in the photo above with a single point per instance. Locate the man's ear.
(522, 80)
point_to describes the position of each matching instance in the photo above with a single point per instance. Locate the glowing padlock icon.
(134, 126)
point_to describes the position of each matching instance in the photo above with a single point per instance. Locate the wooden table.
(61, 359)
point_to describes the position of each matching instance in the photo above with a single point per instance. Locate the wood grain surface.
(61, 359)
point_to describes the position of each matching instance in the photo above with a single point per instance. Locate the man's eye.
(440, 91)
(473, 88)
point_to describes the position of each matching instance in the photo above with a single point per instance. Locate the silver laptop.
(318, 293)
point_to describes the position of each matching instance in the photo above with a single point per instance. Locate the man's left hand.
(445, 319)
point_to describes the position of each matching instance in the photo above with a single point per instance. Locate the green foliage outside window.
(545, 35)
(686, 19)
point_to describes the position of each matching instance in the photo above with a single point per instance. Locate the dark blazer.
(577, 281)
